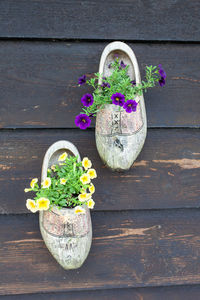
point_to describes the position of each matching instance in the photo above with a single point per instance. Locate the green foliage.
(63, 195)
(119, 82)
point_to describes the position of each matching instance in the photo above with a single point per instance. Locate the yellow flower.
(85, 178)
(92, 188)
(27, 190)
(84, 197)
(33, 182)
(43, 203)
(86, 163)
(31, 205)
(90, 203)
(53, 168)
(46, 183)
(92, 173)
(62, 157)
(63, 181)
(79, 210)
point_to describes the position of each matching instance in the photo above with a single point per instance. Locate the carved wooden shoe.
(120, 136)
(67, 236)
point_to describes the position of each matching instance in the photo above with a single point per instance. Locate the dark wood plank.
(190, 292)
(39, 83)
(127, 20)
(130, 249)
(165, 175)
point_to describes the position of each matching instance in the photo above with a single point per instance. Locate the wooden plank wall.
(146, 221)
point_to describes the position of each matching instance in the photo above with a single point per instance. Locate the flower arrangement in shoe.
(117, 89)
(68, 185)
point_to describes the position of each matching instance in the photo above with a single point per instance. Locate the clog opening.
(122, 57)
(54, 158)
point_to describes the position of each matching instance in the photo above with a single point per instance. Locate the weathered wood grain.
(189, 292)
(130, 249)
(165, 175)
(39, 82)
(132, 20)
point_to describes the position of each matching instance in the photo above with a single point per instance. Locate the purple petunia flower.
(82, 121)
(87, 100)
(118, 99)
(109, 66)
(82, 80)
(162, 72)
(162, 81)
(133, 82)
(105, 84)
(122, 65)
(104, 78)
(130, 106)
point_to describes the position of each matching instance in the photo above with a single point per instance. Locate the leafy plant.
(68, 184)
(117, 89)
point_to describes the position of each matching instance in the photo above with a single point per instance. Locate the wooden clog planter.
(68, 236)
(120, 136)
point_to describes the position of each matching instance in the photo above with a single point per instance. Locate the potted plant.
(118, 104)
(64, 200)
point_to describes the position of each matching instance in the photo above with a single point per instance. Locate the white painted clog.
(68, 236)
(120, 136)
